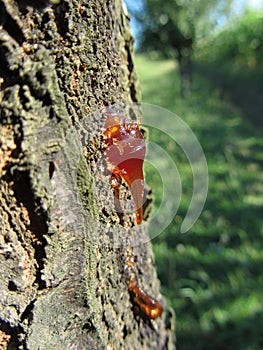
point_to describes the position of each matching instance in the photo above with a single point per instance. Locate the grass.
(212, 275)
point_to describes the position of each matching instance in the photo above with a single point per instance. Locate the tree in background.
(172, 27)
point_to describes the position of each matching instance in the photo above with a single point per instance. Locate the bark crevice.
(62, 249)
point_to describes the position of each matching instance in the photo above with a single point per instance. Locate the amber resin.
(144, 304)
(125, 152)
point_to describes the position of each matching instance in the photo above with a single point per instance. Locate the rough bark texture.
(62, 283)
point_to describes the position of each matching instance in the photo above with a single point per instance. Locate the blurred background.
(203, 60)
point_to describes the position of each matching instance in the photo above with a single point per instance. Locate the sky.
(242, 4)
(254, 3)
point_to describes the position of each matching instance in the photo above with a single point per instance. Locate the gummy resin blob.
(125, 152)
(144, 304)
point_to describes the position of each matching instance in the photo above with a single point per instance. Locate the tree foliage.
(168, 25)
(241, 43)
(172, 27)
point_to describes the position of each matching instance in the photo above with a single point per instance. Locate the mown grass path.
(213, 275)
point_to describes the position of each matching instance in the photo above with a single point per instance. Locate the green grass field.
(212, 275)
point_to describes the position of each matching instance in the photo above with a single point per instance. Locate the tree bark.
(63, 283)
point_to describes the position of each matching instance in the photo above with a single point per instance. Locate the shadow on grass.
(240, 334)
(243, 87)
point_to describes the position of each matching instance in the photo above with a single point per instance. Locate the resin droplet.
(125, 154)
(143, 302)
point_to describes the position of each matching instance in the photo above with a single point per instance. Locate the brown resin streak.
(125, 153)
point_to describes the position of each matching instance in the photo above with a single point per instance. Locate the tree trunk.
(63, 282)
